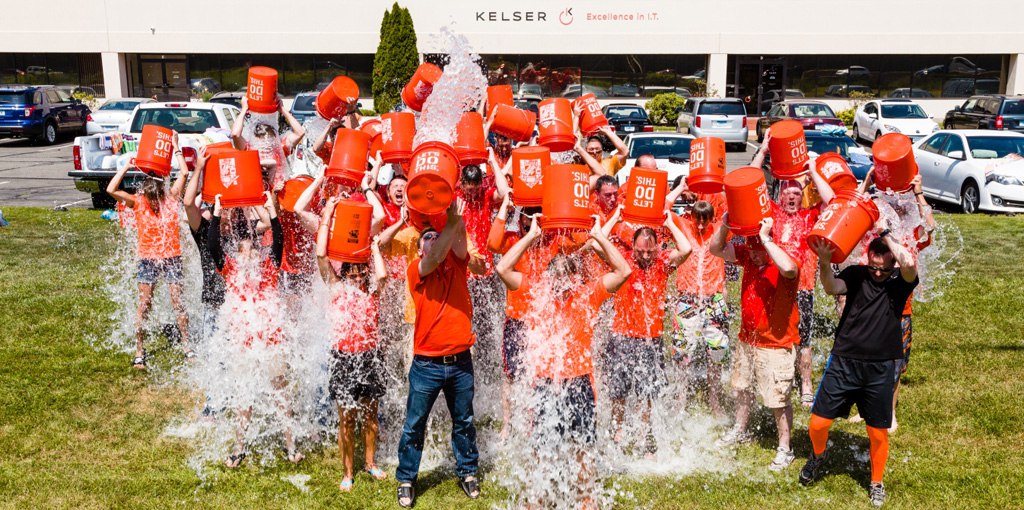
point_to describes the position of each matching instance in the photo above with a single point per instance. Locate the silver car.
(724, 118)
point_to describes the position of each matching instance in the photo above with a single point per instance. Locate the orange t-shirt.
(158, 233)
(299, 245)
(253, 289)
(562, 332)
(354, 316)
(640, 302)
(701, 274)
(790, 233)
(770, 317)
(444, 309)
(531, 265)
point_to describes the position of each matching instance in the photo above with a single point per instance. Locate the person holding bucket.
(273, 150)
(199, 221)
(324, 144)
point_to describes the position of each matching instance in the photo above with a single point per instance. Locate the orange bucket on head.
(707, 165)
(373, 128)
(832, 168)
(416, 92)
(236, 176)
(555, 126)
(499, 94)
(433, 175)
(566, 202)
(591, 116)
(349, 156)
(156, 148)
(261, 93)
(529, 164)
(512, 122)
(645, 196)
(844, 222)
(746, 198)
(291, 191)
(421, 221)
(335, 100)
(895, 166)
(470, 144)
(349, 237)
(396, 135)
(788, 149)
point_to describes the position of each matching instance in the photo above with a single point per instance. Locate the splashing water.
(459, 89)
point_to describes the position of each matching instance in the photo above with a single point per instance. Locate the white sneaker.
(783, 458)
(733, 437)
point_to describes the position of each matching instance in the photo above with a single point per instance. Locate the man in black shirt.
(863, 366)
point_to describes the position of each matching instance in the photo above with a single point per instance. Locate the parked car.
(671, 150)
(725, 118)
(655, 90)
(112, 115)
(883, 116)
(853, 71)
(857, 158)
(576, 90)
(980, 170)
(624, 90)
(961, 87)
(995, 111)
(812, 114)
(842, 90)
(908, 92)
(775, 96)
(527, 88)
(627, 118)
(203, 85)
(231, 98)
(304, 106)
(40, 113)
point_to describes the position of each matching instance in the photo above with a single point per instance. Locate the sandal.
(293, 456)
(139, 362)
(471, 486)
(807, 400)
(376, 473)
(190, 354)
(406, 491)
(235, 459)
(346, 485)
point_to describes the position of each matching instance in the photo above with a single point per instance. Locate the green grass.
(80, 429)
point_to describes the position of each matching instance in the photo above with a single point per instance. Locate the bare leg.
(370, 432)
(804, 366)
(280, 383)
(744, 401)
(895, 398)
(145, 304)
(618, 415)
(243, 424)
(714, 376)
(784, 422)
(506, 407)
(179, 308)
(347, 439)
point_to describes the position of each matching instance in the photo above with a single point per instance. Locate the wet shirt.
(701, 274)
(354, 319)
(397, 255)
(299, 245)
(612, 164)
(870, 327)
(790, 233)
(533, 262)
(251, 289)
(560, 341)
(213, 282)
(443, 307)
(477, 217)
(640, 302)
(158, 232)
(769, 313)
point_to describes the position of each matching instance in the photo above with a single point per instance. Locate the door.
(929, 164)
(953, 175)
(58, 109)
(870, 126)
(755, 79)
(166, 80)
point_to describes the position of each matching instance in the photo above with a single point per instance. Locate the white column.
(115, 75)
(1015, 75)
(716, 74)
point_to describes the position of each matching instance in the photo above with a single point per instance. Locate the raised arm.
(787, 266)
(620, 146)
(179, 184)
(620, 268)
(500, 174)
(213, 236)
(720, 245)
(596, 168)
(868, 180)
(322, 234)
(322, 139)
(683, 248)
(380, 271)
(824, 190)
(297, 131)
(388, 234)
(192, 211)
(309, 220)
(506, 266)
(833, 286)
(758, 160)
(236, 129)
(675, 193)
(369, 180)
(453, 229)
(908, 265)
(113, 188)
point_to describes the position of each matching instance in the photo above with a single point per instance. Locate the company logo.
(527, 16)
(530, 172)
(565, 17)
(228, 172)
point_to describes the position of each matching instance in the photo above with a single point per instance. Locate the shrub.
(847, 116)
(396, 58)
(664, 108)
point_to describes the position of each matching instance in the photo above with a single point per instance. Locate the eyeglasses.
(882, 270)
(430, 236)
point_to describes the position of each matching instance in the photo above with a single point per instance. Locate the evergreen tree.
(396, 58)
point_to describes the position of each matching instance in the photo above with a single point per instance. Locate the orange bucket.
(746, 199)
(373, 128)
(434, 171)
(470, 144)
(645, 196)
(832, 168)
(421, 221)
(334, 101)
(499, 94)
(591, 116)
(788, 149)
(156, 148)
(348, 159)
(895, 166)
(349, 239)
(416, 92)
(212, 148)
(262, 90)
(236, 177)
(529, 164)
(707, 165)
(567, 198)
(512, 122)
(396, 134)
(844, 222)
(556, 130)
(291, 191)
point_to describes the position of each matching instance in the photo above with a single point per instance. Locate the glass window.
(935, 143)
(1013, 107)
(182, 120)
(721, 108)
(903, 111)
(871, 108)
(808, 110)
(993, 147)
(116, 105)
(52, 97)
(675, 147)
(19, 98)
(63, 96)
(954, 145)
(992, 106)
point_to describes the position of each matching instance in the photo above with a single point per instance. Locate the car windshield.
(812, 110)
(619, 112)
(304, 103)
(794, 93)
(14, 98)
(119, 105)
(823, 144)
(903, 111)
(722, 108)
(994, 147)
(660, 147)
(182, 120)
(1013, 107)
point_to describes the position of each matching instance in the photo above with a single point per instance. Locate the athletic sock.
(879, 452)
(818, 430)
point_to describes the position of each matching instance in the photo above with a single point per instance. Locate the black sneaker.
(812, 470)
(877, 494)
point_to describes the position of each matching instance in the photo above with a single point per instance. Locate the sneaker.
(783, 458)
(877, 494)
(733, 437)
(811, 471)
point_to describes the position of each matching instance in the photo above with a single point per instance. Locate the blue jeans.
(426, 380)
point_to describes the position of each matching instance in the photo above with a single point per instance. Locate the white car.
(884, 116)
(113, 114)
(670, 150)
(981, 170)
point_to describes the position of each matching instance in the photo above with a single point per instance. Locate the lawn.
(80, 429)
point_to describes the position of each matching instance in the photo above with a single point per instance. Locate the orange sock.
(879, 452)
(818, 430)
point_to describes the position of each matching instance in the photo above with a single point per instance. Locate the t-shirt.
(768, 300)
(701, 274)
(213, 282)
(477, 217)
(790, 233)
(612, 164)
(253, 292)
(532, 264)
(158, 233)
(354, 319)
(562, 332)
(397, 255)
(640, 302)
(870, 327)
(444, 309)
(299, 245)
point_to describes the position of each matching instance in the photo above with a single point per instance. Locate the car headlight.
(1005, 180)
(891, 128)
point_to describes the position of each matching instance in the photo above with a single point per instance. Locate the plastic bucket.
(212, 148)
(156, 148)
(746, 199)
(236, 177)
(421, 221)
(645, 196)
(529, 164)
(707, 165)
(512, 122)
(397, 130)
(788, 149)
(833, 169)
(348, 158)
(499, 94)
(895, 166)
(334, 101)
(567, 198)
(555, 124)
(416, 92)
(433, 173)
(591, 116)
(373, 128)
(261, 93)
(470, 144)
(844, 222)
(349, 238)
(291, 191)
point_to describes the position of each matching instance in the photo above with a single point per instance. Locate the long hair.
(153, 190)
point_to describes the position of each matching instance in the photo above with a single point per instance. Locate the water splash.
(459, 89)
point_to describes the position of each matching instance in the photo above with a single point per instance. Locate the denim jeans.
(426, 380)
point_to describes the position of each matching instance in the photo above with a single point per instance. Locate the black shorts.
(805, 305)
(568, 405)
(356, 376)
(151, 270)
(869, 384)
(635, 367)
(512, 348)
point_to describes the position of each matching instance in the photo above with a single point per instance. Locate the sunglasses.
(430, 236)
(882, 270)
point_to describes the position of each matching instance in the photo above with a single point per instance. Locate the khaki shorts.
(770, 370)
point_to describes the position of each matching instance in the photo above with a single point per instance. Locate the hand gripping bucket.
(156, 148)
(416, 92)
(421, 221)
(555, 126)
(397, 130)
(236, 177)
(591, 116)
(373, 128)
(349, 239)
(746, 199)
(645, 197)
(788, 149)
(261, 93)
(512, 122)
(291, 191)
(567, 198)
(707, 165)
(499, 94)
(833, 169)
(434, 171)
(334, 101)
(348, 159)
(844, 222)
(895, 166)
(470, 144)
(529, 165)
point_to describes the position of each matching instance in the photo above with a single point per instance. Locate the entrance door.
(760, 82)
(167, 80)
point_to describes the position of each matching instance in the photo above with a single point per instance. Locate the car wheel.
(102, 200)
(760, 136)
(856, 134)
(49, 136)
(970, 198)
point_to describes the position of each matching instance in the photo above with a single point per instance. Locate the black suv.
(40, 112)
(988, 112)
